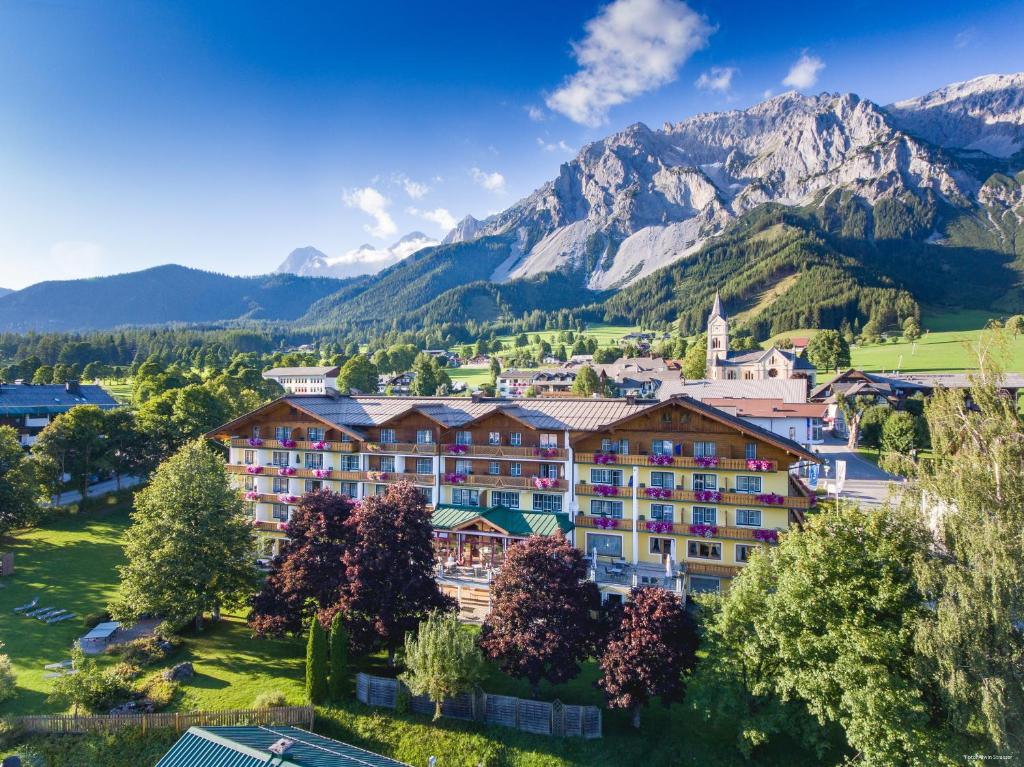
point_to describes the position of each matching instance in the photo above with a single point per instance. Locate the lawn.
(119, 390)
(605, 334)
(473, 376)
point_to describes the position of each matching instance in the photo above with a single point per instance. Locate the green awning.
(520, 524)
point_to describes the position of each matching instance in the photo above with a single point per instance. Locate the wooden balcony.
(507, 483)
(300, 444)
(393, 477)
(400, 448)
(583, 520)
(678, 462)
(272, 471)
(732, 499)
(728, 533)
(268, 527)
(272, 497)
(507, 451)
(718, 571)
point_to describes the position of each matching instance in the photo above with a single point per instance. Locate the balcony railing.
(500, 482)
(272, 471)
(402, 448)
(679, 462)
(700, 496)
(603, 523)
(268, 527)
(506, 451)
(300, 444)
(392, 477)
(718, 571)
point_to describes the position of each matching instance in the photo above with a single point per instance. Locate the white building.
(312, 380)
(800, 422)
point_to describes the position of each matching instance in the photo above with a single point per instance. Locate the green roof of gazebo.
(521, 524)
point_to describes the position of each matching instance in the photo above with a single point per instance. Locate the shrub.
(158, 691)
(269, 700)
(338, 680)
(92, 620)
(145, 651)
(316, 662)
(8, 687)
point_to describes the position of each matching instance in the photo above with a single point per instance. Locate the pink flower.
(660, 460)
(606, 490)
(320, 445)
(706, 461)
(286, 471)
(606, 523)
(255, 442)
(704, 531)
(287, 442)
(253, 469)
(321, 473)
(604, 458)
(252, 495)
(768, 536)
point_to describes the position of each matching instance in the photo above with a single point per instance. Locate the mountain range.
(803, 210)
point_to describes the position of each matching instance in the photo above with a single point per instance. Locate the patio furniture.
(59, 665)
(67, 617)
(50, 614)
(37, 611)
(52, 617)
(26, 607)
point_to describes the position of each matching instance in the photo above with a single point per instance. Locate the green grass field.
(605, 334)
(119, 390)
(472, 376)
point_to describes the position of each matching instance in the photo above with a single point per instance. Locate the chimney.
(476, 396)
(71, 387)
(630, 399)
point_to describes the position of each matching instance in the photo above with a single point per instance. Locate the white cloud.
(414, 189)
(374, 204)
(965, 38)
(551, 147)
(630, 47)
(492, 182)
(536, 113)
(716, 79)
(368, 259)
(804, 72)
(440, 216)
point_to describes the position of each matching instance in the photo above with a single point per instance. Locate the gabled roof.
(328, 371)
(29, 399)
(250, 747)
(519, 524)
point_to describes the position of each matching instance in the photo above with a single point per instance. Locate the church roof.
(716, 308)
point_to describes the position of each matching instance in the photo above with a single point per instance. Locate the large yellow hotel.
(673, 493)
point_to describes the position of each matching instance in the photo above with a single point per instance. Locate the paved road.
(95, 491)
(865, 482)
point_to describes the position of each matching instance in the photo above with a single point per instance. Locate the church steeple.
(718, 334)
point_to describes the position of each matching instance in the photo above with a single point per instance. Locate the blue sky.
(222, 135)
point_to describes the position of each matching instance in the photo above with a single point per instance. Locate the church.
(754, 365)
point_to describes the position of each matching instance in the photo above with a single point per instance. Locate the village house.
(29, 408)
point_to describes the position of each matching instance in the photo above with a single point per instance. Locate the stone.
(180, 672)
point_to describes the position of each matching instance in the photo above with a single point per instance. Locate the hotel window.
(549, 440)
(702, 585)
(549, 470)
(494, 468)
(387, 463)
(249, 457)
(606, 508)
(705, 481)
(462, 466)
(351, 489)
(424, 466)
(507, 499)
(279, 458)
(280, 485)
(281, 432)
(387, 436)
(748, 517)
(494, 438)
(605, 545)
(314, 434)
(515, 439)
(661, 546)
(380, 489)
(662, 512)
(546, 502)
(313, 460)
(703, 550)
(663, 479)
(666, 416)
(348, 462)
(312, 485)
(606, 477)
(463, 438)
(704, 449)
(661, 447)
(747, 484)
(279, 511)
(424, 437)
(750, 451)
(464, 497)
(515, 470)
(249, 483)
(426, 494)
(704, 515)
(345, 437)
(743, 551)
(615, 446)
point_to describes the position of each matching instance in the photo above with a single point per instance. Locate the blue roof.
(41, 399)
(250, 747)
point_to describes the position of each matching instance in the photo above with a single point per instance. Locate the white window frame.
(704, 515)
(749, 484)
(741, 523)
(700, 482)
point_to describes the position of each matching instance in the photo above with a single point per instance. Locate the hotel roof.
(29, 399)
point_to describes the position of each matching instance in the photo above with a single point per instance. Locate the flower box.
(321, 473)
(545, 452)
(770, 499)
(320, 445)
(704, 531)
(660, 460)
(377, 476)
(286, 471)
(604, 458)
(659, 526)
(454, 478)
(544, 483)
(768, 536)
(606, 490)
(712, 496)
(287, 442)
(754, 464)
(286, 498)
(283, 526)
(255, 442)
(606, 523)
(253, 469)
(658, 492)
(252, 495)
(456, 449)
(707, 461)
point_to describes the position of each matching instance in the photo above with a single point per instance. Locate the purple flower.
(704, 531)
(706, 460)
(768, 536)
(606, 523)
(253, 469)
(255, 442)
(660, 460)
(287, 442)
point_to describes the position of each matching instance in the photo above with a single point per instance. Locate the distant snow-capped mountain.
(366, 259)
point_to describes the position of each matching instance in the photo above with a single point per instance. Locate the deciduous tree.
(653, 642)
(19, 483)
(540, 625)
(441, 659)
(73, 443)
(587, 382)
(359, 374)
(828, 350)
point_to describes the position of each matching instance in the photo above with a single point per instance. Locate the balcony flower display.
(255, 442)
(707, 461)
(754, 464)
(604, 458)
(704, 531)
(768, 536)
(606, 523)
(377, 476)
(544, 483)
(658, 492)
(253, 469)
(606, 490)
(656, 526)
(456, 449)
(287, 442)
(545, 452)
(320, 445)
(286, 498)
(770, 499)
(283, 526)
(660, 460)
(286, 471)
(707, 495)
(252, 495)
(321, 473)
(454, 478)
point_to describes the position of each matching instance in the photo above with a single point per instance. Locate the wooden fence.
(179, 721)
(533, 716)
